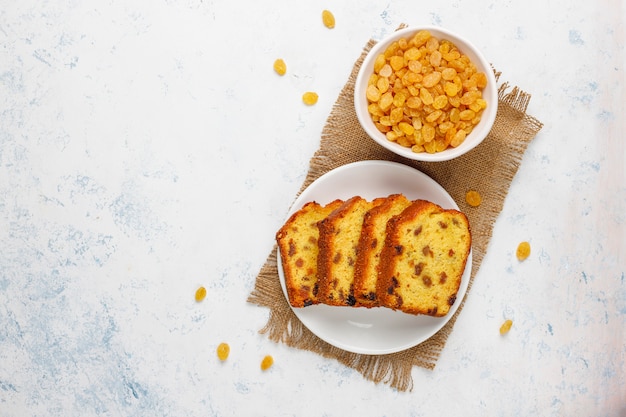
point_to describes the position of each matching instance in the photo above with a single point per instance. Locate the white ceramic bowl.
(490, 94)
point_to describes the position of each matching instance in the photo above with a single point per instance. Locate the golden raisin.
(280, 67)
(428, 133)
(382, 84)
(451, 89)
(412, 54)
(506, 326)
(472, 197)
(420, 38)
(200, 294)
(414, 102)
(379, 62)
(396, 115)
(481, 79)
(386, 100)
(523, 251)
(309, 98)
(440, 102)
(386, 71)
(448, 74)
(458, 138)
(406, 128)
(396, 62)
(426, 96)
(432, 117)
(432, 79)
(223, 350)
(431, 147)
(372, 93)
(467, 115)
(328, 18)
(267, 362)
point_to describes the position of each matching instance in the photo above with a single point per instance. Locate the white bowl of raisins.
(426, 93)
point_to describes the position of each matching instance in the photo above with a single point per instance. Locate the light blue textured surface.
(147, 148)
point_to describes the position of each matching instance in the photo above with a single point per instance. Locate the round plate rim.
(303, 198)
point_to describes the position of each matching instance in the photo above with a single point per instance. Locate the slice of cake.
(423, 260)
(297, 242)
(370, 245)
(339, 235)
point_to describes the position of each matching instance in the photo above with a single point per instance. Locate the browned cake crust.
(339, 235)
(423, 260)
(297, 243)
(370, 245)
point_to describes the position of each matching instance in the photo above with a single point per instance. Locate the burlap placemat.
(488, 169)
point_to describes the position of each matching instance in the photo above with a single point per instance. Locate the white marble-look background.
(148, 148)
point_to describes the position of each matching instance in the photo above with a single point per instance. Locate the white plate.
(373, 331)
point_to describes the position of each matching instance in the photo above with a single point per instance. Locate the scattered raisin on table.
(280, 67)
(223, 350)
(200, 294)
(267, 362)
(309, 98)
(328, 18)
(523, 251)
(506, 326)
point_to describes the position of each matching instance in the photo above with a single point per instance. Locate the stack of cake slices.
(407, 255)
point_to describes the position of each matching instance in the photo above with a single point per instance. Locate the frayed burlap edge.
(488, 169)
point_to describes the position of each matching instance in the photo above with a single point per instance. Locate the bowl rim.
(480, 131)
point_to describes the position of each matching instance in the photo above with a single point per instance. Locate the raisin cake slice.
(297, 243)
(339, 235)
(370, 245)
(423, 260)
